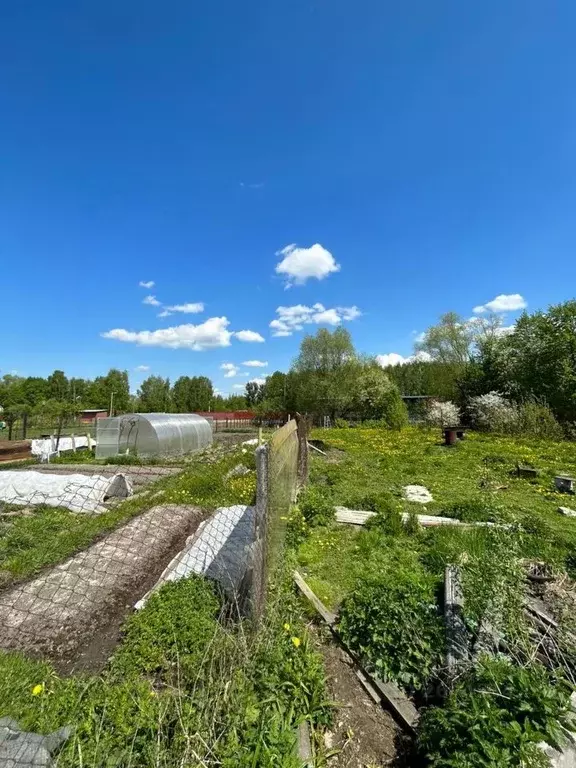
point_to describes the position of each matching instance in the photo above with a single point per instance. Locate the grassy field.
(385, 580)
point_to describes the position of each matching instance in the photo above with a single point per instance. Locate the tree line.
(57, 395)
(532, 361)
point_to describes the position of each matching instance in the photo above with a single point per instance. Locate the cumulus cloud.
(187, 309)
(505, 302)
(300, 264)
(151, 301)
(231, 370)
(393, 358)
(147, 284)
(255, 363)
(258, 381)
(211, 334)
(294, 318)
(248, 336)
(164, 313)
(142, 368)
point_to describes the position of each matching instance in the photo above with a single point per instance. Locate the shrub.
(442, 414)
(317, 506)
(395, 414)
(391, 620)
(537, 420)
(493, 412)
(495, 717)
(340, 423)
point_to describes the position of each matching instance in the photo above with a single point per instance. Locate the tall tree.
(99, 394)
(449, 341)
(154, 395)
(254, 393)
(190, 394)
(58, 386)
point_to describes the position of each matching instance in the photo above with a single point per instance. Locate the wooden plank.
(328, 616)
(389, 693)
(352, 516)
(317, 449)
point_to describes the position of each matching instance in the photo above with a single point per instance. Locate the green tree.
(154, 395)
(449, 341)
(58, 386)
(35, 390)
(190, 394)
(254, 393)
(374, 396)
(540, 358)
(99, 393)
(323, 374)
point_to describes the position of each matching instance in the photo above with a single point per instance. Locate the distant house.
(90, 415)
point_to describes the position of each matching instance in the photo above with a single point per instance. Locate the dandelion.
(287, 627)
(296, 641)
(38, 689)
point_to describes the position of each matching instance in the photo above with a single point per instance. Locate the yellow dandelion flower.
(38, 689)
(296, 641)
(287, 627)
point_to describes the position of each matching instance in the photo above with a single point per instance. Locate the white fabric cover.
(43, 446)
(79, 493)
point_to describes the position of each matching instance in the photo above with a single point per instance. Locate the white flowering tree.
(493, 412)
(442, 414)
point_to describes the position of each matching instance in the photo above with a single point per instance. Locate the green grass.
(50, 535)
(473, 481)
(182, 689)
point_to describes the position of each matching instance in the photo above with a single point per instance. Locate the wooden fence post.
(302, 431)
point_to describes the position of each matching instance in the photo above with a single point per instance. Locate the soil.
(72, 613)
(363, 735)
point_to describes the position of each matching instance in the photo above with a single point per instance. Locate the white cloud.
(301, 264)
(294, 318)
(187, 309)
(505, 302)
(258, 381)
(142, 368)
(151, 300)
(164, 313)
(239, 386)
(393, 358)
(248, 336)
(419, 337)
(211, 334)
(255, 363)
(231, 370)
(147, 284)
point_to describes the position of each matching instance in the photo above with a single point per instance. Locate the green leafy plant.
(392, 621)
(317, 506)
(495, 717)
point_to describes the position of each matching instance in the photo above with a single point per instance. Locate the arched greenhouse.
(152, 434)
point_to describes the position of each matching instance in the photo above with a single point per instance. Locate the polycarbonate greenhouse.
(152, 434)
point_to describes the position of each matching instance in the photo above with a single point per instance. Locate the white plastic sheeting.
(79, 493)
(153, 434)
(44, 447)
(219, 549)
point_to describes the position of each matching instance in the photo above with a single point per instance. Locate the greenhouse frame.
(152, 434)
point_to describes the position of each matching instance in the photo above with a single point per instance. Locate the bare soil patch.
(363, 734)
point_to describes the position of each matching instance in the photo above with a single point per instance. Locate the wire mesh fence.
(84, 545)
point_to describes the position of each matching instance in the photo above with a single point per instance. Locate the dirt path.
(363, 734)
(75, 609)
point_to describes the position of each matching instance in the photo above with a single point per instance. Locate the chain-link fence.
(85, 543)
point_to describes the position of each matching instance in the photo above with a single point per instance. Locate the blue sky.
(398, 160)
